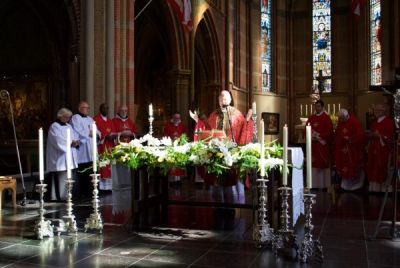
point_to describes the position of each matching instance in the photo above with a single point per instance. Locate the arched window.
(375, 42)
(321, 38)
(266, 51)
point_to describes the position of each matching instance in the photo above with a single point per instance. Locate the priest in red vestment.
(381, 137)
(349, 149)
(229, 119)
(175, 128)
(106, 127)
(124, 126)
(322, 137)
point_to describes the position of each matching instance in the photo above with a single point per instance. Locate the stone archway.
(161, 60)
(207, 75)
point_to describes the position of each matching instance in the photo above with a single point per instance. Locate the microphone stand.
(230, 123)
(4, 94)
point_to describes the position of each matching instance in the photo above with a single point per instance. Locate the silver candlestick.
(285, 238)
(309, 247)
(43, 227)
(255, 130)
(263, 233)
(151, 119)
(95, 221)
(69, 223)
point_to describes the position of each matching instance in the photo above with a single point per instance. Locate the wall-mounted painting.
(271, 123)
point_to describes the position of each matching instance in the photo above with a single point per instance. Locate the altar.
(148, 194)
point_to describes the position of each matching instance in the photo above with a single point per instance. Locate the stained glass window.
(376, 39)
(266, 51)
(321, 38)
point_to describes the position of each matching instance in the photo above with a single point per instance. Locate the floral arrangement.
(217, 156)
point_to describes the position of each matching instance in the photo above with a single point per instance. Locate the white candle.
(301, 110)
(339, 106)
(329, 108)
(309, 156)
(68, 153)
(254, 107)
(262, 158)
(285, 155)
(306, 109)
(311, 109)
(41, 156)
(94, 147)
(151, 109)
(334, 108)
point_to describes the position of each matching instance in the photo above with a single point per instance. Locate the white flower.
(166, 141)
(183, 149)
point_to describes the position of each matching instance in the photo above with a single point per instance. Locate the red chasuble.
(173, 131)
(321, 126)
(242, 129)
(349, 147)
(379, 150)
(123, 124)
(106, 143)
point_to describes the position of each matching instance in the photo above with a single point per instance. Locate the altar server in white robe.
(82, 124)
(56, 155)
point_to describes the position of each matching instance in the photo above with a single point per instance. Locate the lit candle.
(329, 108)
(339, 106)
(254, 107)
(309, 156)
(94, 147)
(41, 156)
(151, 109)
(334, 108)
(306, 109)
(262, 158)
(301, 110)
(68, 153)
(285, 155)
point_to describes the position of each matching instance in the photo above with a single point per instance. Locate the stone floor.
(197, 236)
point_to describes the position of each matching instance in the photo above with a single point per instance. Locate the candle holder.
(69, 223)
(309, 247)
(94, 221)
(42, 227)
(285, 238)
(263, 233)
(151, 119)
(255, 130)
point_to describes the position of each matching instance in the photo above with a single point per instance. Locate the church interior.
(275, 58)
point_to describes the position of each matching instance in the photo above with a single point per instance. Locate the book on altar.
(206, 135)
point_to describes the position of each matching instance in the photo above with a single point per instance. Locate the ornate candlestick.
(285, 237)
(151, 119)
(69, 222)
(255, 130)
(94, 221)
(262, 234)
(309, 246)
(42, 227)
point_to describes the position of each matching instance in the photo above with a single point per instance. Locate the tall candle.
(334, 108)
(339, 106)
(309, 156)
(301, 110)
(254, 107)
(151, 109)
(329, 108)
(94, 147)
(285, 155)
(262, 158)
(306, 109)
(41, 156)
(311, 109)
(68, 153)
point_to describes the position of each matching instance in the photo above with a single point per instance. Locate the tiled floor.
(197, 236)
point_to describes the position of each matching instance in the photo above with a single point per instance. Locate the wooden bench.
(8, 183)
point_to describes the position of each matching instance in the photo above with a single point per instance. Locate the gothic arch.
(207, 64)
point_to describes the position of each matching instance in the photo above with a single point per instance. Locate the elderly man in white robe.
(56, 154)
(82, 124)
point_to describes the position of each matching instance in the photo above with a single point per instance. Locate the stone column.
(89, 53)
(109, 68)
